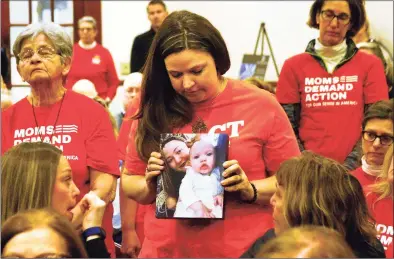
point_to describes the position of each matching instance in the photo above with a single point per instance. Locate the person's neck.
(373, 170)
(87, 45)
(45, 95)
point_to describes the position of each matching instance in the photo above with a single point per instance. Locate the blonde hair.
(43, 218)
(28, 174)
(383, 187)
(320, 191)
(307, 242)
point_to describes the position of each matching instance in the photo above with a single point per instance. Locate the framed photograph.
(253, 66)
(189, 186)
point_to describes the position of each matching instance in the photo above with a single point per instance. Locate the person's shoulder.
(83, 103)
(15, 108)
(144, 35)
(366, 58)
(241, 89)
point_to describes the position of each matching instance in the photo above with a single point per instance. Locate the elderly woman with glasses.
(325, 90)
(74, 123)
(376, 172)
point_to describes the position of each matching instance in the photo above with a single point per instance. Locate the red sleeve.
(375, 86)
(112, 76)
(124, 131)
(101, 143)
(281, 143)
(287, 90)
(133, 162)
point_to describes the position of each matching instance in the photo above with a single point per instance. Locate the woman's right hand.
(89, 212)
(154, 168)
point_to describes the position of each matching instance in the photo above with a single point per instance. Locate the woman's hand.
(89, 212)
(236, 180)
(131, 244)
(153, 169)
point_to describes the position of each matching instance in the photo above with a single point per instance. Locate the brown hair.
(383, 187)
(160, 2)
(161, 108)
(307, 242)
(43, 218)
(382, 110)
(320, 191)
(261, 84)
(28, 174)
(357, 15)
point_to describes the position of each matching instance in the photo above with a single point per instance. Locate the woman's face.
(65, 192)
(176, 154)
(193, 75)
(280, 223)
(42, 64)
(36, 243)
(333, 31)
(374, 151)
(87, 33)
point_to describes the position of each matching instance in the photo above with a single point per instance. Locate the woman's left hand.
(236, 180)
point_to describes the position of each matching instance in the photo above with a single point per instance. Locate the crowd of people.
(308, 170)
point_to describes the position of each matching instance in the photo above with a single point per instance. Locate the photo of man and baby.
(189, 186)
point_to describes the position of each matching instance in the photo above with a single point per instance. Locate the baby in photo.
(201, 185)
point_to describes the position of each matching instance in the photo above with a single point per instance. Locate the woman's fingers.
(231, 169)
(232, 180)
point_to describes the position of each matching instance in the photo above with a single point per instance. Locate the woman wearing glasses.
(74, 123)
(375, 174)
(325, 89)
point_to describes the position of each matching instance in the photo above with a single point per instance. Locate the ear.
(66, 66)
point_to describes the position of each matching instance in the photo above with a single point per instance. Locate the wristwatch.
(94, 231)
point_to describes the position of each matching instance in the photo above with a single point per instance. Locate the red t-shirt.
(83, 131)
(381, 210)
(261, 138)
(332, 105)
(95, 65)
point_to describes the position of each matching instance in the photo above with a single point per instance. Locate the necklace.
(199, 126)
(57, 117)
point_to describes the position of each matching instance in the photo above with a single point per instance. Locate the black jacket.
(140, 50)
(96, 248)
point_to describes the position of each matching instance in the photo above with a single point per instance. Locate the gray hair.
(88, 19)
(55, 33)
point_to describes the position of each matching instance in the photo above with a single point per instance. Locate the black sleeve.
(136, 59)
(253, 250)
(293, 111)
(96, 248)
(353, 160)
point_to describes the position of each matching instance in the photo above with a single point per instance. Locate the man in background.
(157, 12)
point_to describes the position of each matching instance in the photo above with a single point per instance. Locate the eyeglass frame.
(377, 136)
(339, 20)
(36, 52)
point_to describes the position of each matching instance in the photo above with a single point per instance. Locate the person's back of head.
(55, 233)
(306, 242)
(28, 174)
(320, 191)
(85, 87)
(261, 84)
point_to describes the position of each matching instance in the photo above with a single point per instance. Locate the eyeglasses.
(342, 18)
(87, 29)
(385, 140)
(43, 52)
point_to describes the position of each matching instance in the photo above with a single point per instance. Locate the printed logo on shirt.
(96, 60)
(47, 132)
(329, 91)
(385, 235)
